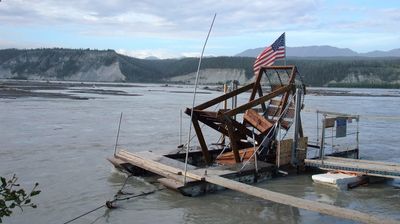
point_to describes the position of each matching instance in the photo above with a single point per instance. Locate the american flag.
(270, 54)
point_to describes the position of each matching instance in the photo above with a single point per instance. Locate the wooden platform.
(172, 172)
(366, 167)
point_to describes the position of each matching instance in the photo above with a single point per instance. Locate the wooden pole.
(232, 139)
(225, 107)
(202, 142)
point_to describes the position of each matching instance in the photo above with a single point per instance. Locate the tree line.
(366, 72)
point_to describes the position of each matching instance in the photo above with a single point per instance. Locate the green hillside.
(60, 64)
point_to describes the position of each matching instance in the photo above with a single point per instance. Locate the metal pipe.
(296, 126)
(322, 152)
(358, 147)
(194, 99)
(255, 155)
(317, 127)
(180, 127)
(278, 160)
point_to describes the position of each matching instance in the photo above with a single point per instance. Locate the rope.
(110, 205)
(86, 213)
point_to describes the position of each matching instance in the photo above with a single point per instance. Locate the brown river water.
(63, 144)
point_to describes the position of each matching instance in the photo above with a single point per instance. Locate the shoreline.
(12, 89)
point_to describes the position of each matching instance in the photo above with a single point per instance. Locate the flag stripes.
(268, 56)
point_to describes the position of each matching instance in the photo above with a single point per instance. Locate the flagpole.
(284, 35)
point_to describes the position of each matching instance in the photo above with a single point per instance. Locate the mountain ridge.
(323, 51)
(109, 66)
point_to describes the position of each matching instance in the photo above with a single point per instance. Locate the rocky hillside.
(60, 64)
(109, 66)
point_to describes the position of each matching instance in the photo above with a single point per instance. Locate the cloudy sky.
(176, 28)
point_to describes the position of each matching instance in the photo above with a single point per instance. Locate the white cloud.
(167, 18)
(188, 20)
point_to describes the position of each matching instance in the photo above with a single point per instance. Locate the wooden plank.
(164, 160)
(257, 121)
(369, 169)
(228, 158)
(297, 202)
(364, 161)
(200, 174)
(156, 167)
(358, 164)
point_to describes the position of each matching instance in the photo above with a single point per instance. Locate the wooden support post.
(202, 142)
(225, 108)
(286, 96)
(256, 84)
(218, 127)
(260, 94)
(232, 139)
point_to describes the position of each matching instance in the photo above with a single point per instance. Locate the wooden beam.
(260, 94)
(256, 102)
(199, 174)
(297, 202)
(279, 67)
(220, 128)
(154, 166)
(224, 97)
(256, 85)
(202, 142)
(286, 96)
(232, 139)
(257, 121)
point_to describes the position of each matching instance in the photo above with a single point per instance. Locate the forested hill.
(107, 65)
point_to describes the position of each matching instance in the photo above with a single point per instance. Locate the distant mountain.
(391, 53)
(323, 51)
(151, 58)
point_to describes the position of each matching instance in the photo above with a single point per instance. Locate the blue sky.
(177, 28)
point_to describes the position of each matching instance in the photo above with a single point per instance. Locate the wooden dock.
(365, 167)
(172, 172)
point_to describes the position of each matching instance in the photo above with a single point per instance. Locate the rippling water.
(63, 145)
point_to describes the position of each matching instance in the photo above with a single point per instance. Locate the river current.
(63, 144)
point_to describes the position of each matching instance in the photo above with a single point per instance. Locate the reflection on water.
(63, 144)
